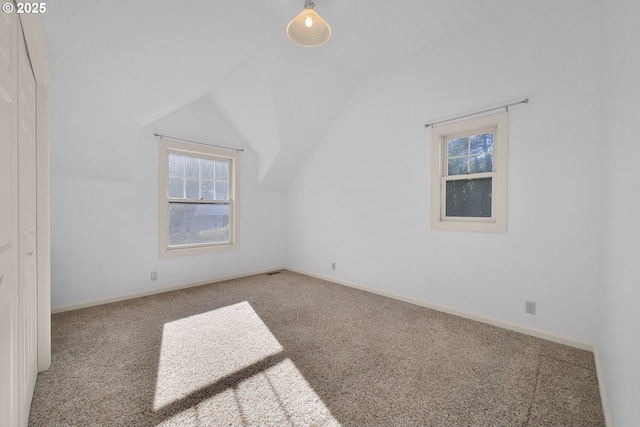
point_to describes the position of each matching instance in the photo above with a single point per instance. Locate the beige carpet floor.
(290, 350)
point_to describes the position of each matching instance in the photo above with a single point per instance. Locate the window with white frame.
(469, 175)
(198, 199)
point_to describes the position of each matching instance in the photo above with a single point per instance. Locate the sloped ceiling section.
(280, 108)
(119, 66)
(245, 98)
(283, 106)
(201, 121)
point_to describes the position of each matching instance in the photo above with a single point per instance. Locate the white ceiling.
(118, 67)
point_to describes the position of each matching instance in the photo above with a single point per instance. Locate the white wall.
(619, 323)
(104, 239)
(362, 198)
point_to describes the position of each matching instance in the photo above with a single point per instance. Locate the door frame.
(33, 30)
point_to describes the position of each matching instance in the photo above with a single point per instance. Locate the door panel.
(9, 346)
(8, 121)
(8, 383)
(18, 263)
(27, 253)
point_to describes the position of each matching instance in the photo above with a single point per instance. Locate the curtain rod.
(237, 150)
(506, 107)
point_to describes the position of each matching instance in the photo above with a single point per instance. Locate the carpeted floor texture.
(290, 350)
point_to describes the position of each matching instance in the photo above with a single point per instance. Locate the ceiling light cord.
(308, 4)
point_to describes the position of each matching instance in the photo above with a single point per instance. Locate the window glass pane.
(469, 198)
(176, 187)
(222, 190)
(482, 143)
(207, 169)
(458, 147)
(193, 167)
(206, 189)
(194, 223)
(481, 163)
(176, 165)
(222, 171)
(458, 166)
(193, 189)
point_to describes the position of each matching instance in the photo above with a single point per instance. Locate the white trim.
(582, 345)
(122, 297)
(33, 31)
(498, 221)
(43, 218)
(442, 308)
(167, 146)
(603, 391)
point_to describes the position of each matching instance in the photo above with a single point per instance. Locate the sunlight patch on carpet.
(201, 350)
(277, 396)
(281, 396)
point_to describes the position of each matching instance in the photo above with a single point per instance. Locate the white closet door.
(27, 251)
(18, 273)
(8, 221)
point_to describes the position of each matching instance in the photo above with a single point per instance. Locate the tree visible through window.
(469, 174)
(468, 156)
(198, 209)
(207, 181)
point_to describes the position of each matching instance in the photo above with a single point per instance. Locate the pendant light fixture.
(308, 28)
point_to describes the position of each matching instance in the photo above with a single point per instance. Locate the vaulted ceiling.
(119, 68)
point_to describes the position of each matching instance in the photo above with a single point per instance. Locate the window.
(198, 199)
(469, 175)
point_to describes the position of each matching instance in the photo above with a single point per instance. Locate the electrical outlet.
(530, 307)
(333, 265)
(154, 275)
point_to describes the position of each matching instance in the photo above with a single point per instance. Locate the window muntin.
(469, 174)
(470, 154)
(198, 178)
(198, 211)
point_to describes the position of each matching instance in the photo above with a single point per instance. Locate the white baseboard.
(445, 309)
(583, 345)
(148, 292)
(603, 393)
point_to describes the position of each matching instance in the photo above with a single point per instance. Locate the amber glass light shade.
(308, 29)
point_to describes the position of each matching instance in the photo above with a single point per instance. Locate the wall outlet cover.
(530, 307)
